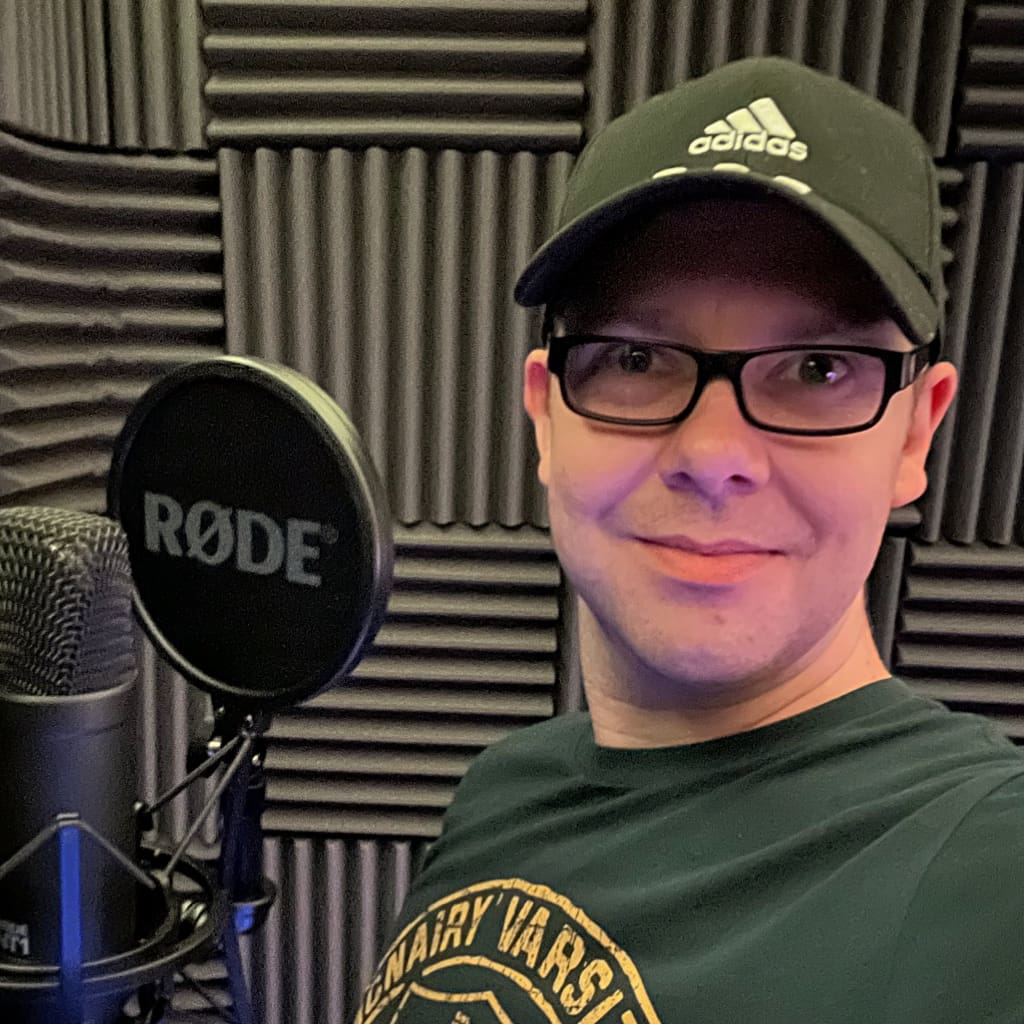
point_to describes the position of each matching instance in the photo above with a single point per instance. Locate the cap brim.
(913, 307)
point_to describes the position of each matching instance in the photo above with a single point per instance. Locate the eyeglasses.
(809, 390)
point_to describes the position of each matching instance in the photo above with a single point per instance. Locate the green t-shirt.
(861, 862)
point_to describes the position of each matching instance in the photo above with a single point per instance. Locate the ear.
(536, 399)
(934, 391)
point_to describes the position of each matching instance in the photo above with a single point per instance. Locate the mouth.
(723, 569)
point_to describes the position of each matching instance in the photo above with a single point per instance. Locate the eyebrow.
(868, 331)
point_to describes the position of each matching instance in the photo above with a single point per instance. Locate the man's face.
(727, 275)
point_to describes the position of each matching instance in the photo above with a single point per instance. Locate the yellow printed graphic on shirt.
(505, 951)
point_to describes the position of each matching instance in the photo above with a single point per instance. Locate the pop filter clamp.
(261, 552)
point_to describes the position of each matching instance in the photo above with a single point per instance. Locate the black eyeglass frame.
(901, 370)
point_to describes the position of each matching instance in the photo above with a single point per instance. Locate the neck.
(630, 712)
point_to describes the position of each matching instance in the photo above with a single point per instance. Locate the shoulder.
(931, 747)
(546, 747)
(508, 776)
(936, 723)
(961, 944)
(541, 736)
(994, 825)
(513, 769)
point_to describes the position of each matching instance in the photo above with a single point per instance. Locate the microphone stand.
(241, 793)
(241, 856)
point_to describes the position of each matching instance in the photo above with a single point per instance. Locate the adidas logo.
(759, 127)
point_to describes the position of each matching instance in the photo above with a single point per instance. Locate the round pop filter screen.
(258, 531)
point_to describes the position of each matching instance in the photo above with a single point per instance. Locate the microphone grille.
(65, 602)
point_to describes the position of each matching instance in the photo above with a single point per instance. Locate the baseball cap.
(766, 126)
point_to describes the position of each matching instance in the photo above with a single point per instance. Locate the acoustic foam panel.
(943, 592)
(386, 276)
(464, 74)
(975, 465)
(990, 118)
(318, 949)
(119, 73)
(110, 275)
(961, 637)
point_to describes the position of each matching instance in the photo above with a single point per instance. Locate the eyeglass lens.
(809, 389)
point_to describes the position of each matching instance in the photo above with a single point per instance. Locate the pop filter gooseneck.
(261, 550)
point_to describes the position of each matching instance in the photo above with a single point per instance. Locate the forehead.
(741, 246)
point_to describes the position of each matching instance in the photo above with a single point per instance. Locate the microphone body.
(64, 754)
(68, 754)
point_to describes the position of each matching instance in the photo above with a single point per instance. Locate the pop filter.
(259, 533)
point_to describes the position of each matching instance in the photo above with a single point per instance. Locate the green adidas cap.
(766, 126)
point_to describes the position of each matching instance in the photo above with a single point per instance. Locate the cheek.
(590, 480)
(588, 490)
(847, 501)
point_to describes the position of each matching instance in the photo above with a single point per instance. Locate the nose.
(715, 450)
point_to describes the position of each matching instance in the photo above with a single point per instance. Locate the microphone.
(89, 912)
(67, 683)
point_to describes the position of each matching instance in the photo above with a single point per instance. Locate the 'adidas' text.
(758, 142)
(759, 127)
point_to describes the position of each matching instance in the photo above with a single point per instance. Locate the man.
(754, 821)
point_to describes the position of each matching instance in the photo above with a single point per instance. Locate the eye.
(635, 357)
(628, 362)
(814, 368)
(631, 358)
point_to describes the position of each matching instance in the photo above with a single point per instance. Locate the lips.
(729, 546)
(722, 569)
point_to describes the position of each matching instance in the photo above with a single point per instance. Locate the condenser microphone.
(67, 680)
